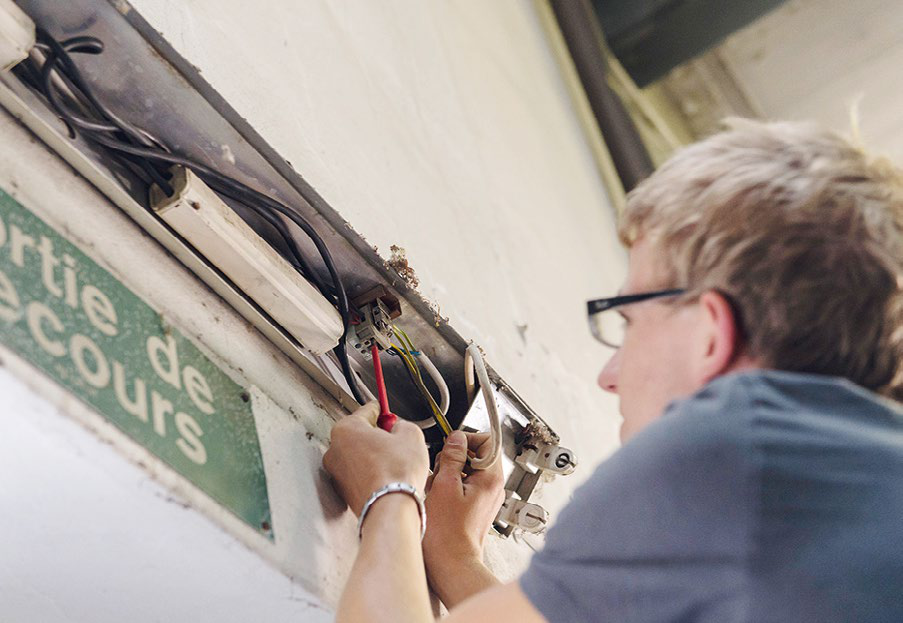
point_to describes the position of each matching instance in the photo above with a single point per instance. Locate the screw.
(562, 460)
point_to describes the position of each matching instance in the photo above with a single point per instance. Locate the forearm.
(458, 580)
(388, 580)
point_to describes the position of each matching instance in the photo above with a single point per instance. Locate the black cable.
(135, 147)
(74, 81)
(341, 352)
(300, 262)
(253, 198)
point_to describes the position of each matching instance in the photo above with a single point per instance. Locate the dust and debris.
(522, 331)
(438, 318)
(227, 154)
(173, 500)
(399, 263)
(535, 432)
(123, 7)
(309, 435)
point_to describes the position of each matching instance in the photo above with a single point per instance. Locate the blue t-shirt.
(766, 496)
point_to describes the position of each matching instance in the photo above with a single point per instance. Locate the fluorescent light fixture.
(17, 35)
(219, 234)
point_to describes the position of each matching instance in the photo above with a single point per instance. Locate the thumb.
(453, 456)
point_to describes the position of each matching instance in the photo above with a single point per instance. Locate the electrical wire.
(473, 361)
(406, 350)
(59, 79)
(470, 387)
(430, 421)
(431, 370)
(417, 380)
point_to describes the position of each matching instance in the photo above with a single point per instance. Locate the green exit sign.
(95, 337)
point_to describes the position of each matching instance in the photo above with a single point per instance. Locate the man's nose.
(608, 378)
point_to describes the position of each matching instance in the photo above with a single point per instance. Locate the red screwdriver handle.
(386, 421)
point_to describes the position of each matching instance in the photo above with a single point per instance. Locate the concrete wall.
(442, 127)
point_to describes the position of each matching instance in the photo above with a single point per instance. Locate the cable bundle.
(58, 79)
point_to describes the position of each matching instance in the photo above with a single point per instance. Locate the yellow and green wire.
(405, 349)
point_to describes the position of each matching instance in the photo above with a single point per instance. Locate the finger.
(329, 461)
(486, 478)
(359, 419)
(476, 440)
(403, 428)
(453, 457)
(369, 412)
(480, 443)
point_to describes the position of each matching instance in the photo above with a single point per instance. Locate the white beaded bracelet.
(394, 487)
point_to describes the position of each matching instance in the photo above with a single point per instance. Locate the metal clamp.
(523, 515)
(546, 457)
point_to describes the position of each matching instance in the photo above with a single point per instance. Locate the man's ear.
(721, 332)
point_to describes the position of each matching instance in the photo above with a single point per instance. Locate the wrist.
(395, 498)
(460, 579)
(452, 554)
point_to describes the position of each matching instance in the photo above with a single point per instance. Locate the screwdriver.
(386, 419)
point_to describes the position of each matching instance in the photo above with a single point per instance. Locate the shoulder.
(660, 527)
(697, 442)
(687, 481)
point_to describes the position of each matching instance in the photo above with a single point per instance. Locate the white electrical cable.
(356, 369)
(473, 361)
(438, 380)
(469, 382)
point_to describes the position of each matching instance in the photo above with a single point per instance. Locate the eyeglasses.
(606, 322)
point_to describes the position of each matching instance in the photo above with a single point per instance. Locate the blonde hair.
(800, 230)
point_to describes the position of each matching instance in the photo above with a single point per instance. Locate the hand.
(362, 458)
(459, 511)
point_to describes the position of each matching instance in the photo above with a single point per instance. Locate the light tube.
(17, 35)
(197, 214)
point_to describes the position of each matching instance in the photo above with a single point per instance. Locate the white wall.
(90, 537)
(812, 59)
(443, 127)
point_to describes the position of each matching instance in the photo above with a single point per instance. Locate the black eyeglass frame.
(597, 306)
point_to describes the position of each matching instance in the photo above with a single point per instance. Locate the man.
(761, 478)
